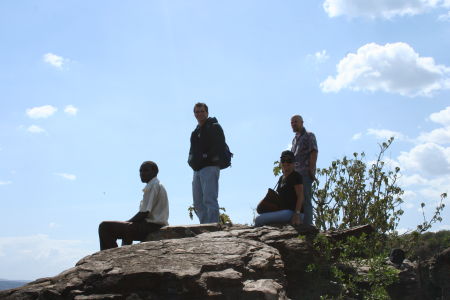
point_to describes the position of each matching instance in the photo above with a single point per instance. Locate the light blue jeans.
(205, 191)
(281, 216)
(307, 204)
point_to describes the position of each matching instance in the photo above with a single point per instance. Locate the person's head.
(201, 112)
(148, 171)
(297, 123)
(287, 159)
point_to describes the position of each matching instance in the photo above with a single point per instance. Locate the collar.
(150, 184)
(302, 132)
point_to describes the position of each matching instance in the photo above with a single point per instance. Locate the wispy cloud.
(35, 129)
(444, 17)
(67, 176)
(5, 182)
(385, 134)
(71, 110)
(357, 136)
(39, 112)
(393, 68)
(319, 56)
(54, 60)
(380, 9)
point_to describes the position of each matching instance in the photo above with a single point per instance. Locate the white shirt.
(155, 202)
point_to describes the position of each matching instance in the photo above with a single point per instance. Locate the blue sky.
(90, 90)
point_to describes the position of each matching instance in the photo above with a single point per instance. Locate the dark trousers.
(110, 231)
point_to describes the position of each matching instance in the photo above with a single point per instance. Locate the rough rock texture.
(435, 276)
(190, 268)
(440, 272)
(213, 262)
(242, 263)
(428, 279)
(178, 232)
(408, 286)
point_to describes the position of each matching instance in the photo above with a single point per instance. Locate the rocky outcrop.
(201, 262)
(189, 268)
(178, 232)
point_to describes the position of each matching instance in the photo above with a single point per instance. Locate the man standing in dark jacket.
(207, 140)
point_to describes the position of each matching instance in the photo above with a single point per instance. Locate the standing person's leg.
(209, 177)
(197, 196)
(281, 216)
(307, 203)
(110, 231)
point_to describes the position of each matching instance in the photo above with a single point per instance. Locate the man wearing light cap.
(304, 147)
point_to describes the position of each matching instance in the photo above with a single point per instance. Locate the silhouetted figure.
(290, 190)
(304, 146)
(397, 256)
(207, 140)
(153, 213)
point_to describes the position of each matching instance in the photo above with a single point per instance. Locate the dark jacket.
(206, 144)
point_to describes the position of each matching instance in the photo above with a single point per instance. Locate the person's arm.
(139, 217)
(217, 142)
(298, 205)
(312, 163)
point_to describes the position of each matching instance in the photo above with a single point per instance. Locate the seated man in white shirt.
(153, 213)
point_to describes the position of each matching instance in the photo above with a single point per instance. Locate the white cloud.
(357, 136)
(391, 163)
(54, 60)
(444, 17)
(320, 56)
(429, 157)
(438, 136)
(408, 198)
(385, 134)
(41, 111)
(409, 205)
(5, 182)
(442, 117)
(31, 257)
(431, 197)
(379, 8)
(393, 68)
(67, 176)
(412, 180)
(35, 129)
(71, 110)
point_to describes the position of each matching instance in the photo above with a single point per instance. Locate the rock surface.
(234, 263)
(207, 262)
(178, 232)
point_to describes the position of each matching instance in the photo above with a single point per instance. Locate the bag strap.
(275, 187)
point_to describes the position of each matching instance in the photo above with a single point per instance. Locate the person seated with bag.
(286, 204)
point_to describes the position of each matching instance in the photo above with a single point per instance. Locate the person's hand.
(296, 220)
